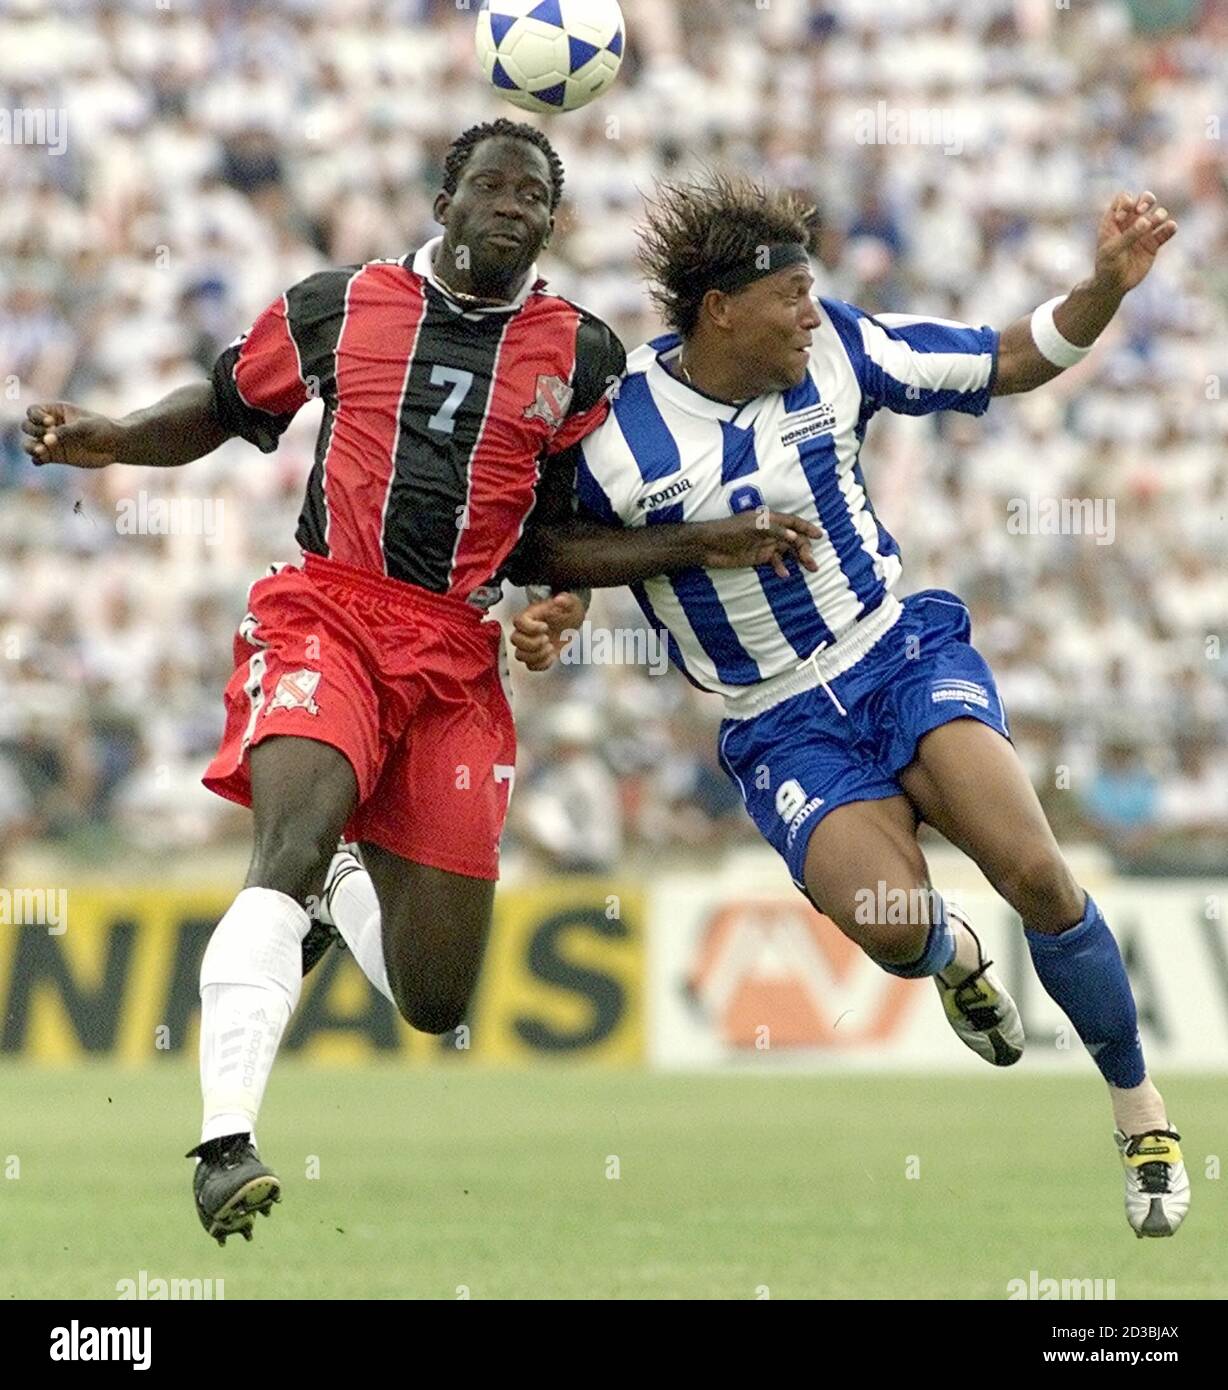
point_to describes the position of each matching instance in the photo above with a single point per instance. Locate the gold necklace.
(467, 298)
(464, 298)
(690, 382)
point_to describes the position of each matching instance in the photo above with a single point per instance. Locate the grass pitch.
(611, 1185)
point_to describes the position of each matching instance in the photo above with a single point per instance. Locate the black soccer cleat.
(231, 1185)
(320, 936)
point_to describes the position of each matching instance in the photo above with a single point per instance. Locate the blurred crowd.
(960, 157)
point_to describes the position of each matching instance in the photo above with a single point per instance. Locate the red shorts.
(409, 685)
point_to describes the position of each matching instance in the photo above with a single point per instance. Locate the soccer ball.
(551, 55)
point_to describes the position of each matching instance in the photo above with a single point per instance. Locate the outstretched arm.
(580, 553)
(258, 384)
(584, 554)
(568, 551)
(180, 428)
(1131, 233)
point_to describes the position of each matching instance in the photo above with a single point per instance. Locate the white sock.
(354, 907)
(967, 955)
(250, 980)
(1138, 1108)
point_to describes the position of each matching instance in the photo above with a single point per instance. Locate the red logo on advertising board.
(784, 966)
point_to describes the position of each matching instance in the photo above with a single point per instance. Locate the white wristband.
(1048, 338)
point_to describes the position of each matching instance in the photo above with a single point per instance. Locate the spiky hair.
(700, 229)
(462, 151)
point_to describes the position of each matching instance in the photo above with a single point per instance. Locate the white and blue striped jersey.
(669, 453)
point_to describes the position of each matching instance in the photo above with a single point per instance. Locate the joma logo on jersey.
(666, 494)
(819, 419)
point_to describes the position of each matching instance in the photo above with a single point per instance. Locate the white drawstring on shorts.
(813, 661)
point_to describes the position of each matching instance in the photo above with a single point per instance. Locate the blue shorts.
(801, 759)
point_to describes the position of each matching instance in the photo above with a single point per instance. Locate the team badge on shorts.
(967, 692)
(296, 691)
(554, 398)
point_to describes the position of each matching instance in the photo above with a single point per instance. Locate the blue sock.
(939, 949)
(1083, 973)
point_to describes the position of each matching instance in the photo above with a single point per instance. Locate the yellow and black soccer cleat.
(1157, 1185)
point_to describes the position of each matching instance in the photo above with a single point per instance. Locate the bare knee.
(435, 926)
(426, 1011)
(889, 918)
(891, 943)
(293, 857)
(890, 925)
(426, 999)
(302, 795)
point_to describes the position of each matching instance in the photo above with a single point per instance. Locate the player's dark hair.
(462, 152)
(700, 230)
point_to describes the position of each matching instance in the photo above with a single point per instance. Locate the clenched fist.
(544, 629)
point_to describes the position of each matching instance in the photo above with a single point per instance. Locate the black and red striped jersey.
(438, 417)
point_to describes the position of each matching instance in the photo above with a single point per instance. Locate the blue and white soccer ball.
(551, 55)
